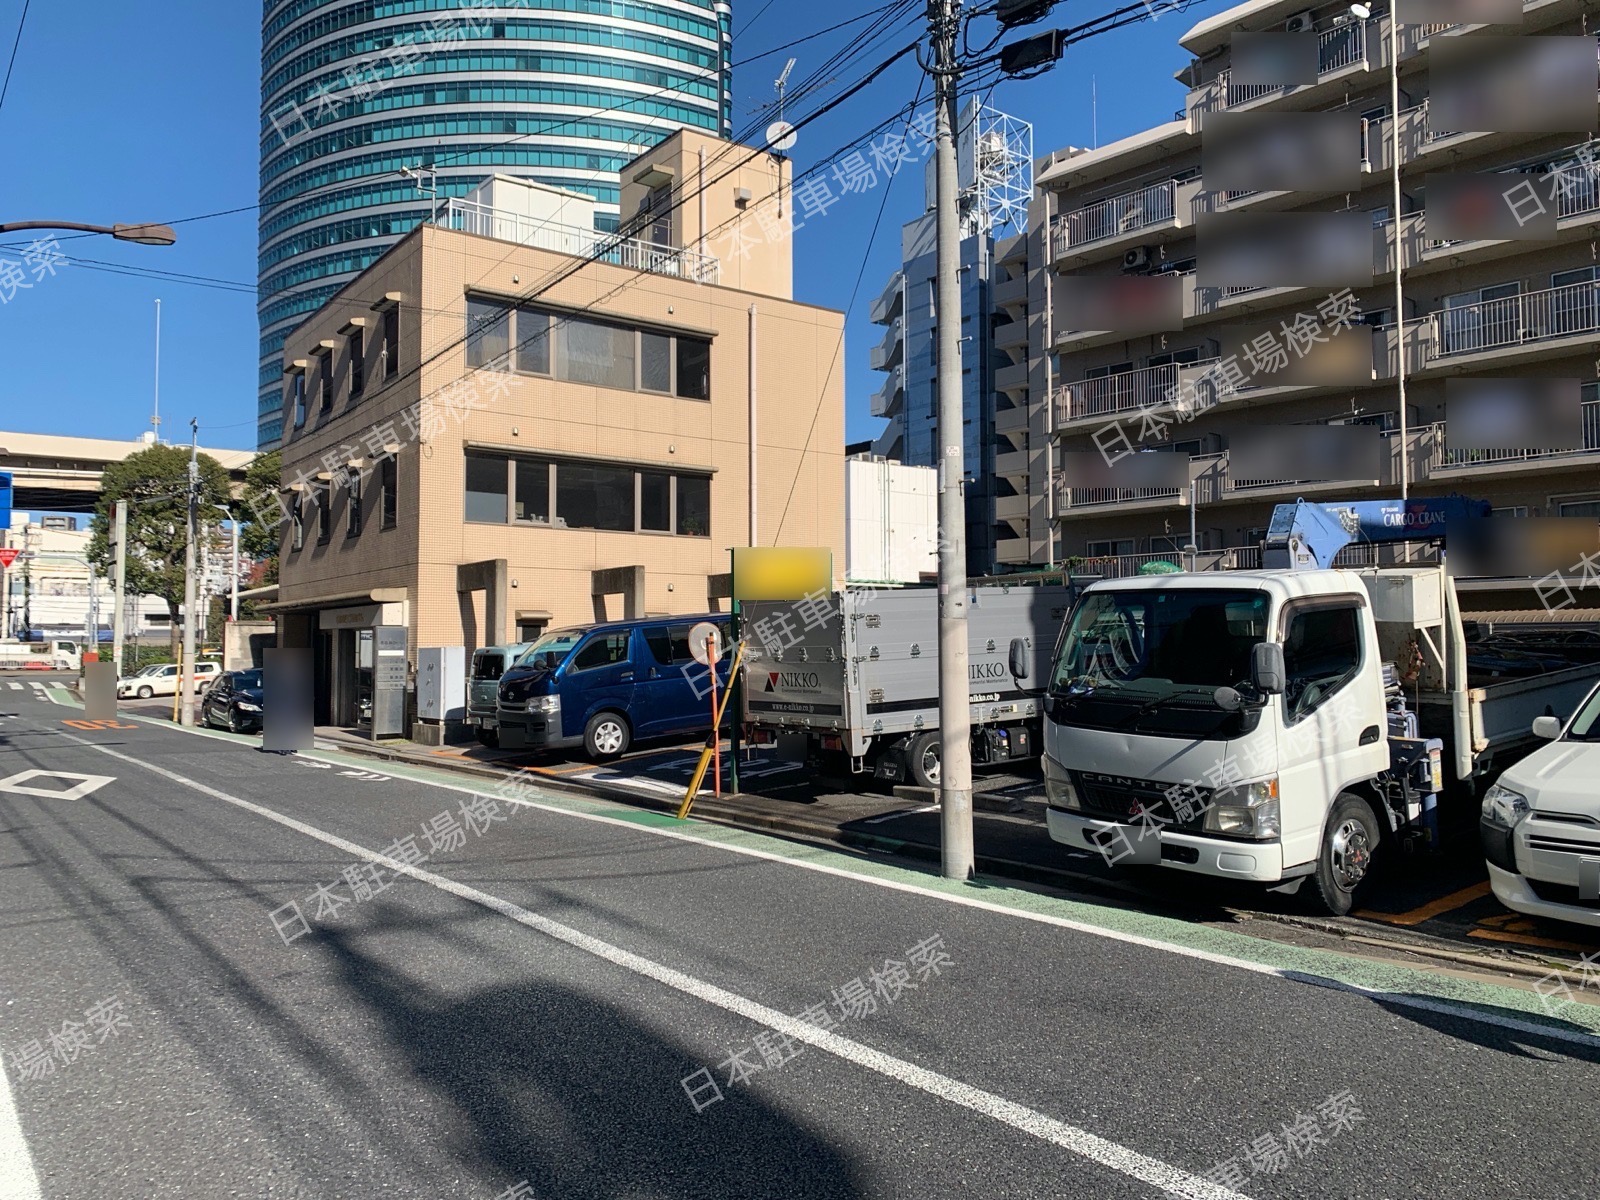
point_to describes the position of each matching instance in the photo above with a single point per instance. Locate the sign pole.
(119, 580)
(716, 715)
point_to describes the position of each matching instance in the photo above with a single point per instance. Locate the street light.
(145, 235)
(1363, 12)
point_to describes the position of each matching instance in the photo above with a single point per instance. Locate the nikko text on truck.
(1280, 725)
(858, 678)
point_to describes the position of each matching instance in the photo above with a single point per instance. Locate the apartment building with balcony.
(511, 423)
(995, 186)
(1475, 307)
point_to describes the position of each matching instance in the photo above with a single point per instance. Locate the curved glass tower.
(357, 93)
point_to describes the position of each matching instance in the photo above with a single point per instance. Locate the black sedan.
(234, 702)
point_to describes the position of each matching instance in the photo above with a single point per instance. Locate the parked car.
(603, 686)
(233, 702)
(1540, 823)
(489, 663)
(163, 680)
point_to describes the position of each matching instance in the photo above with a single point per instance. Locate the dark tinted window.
(602, 651)
(661, 646)
(486, 488)
(694, 369)
(1321, 651)
(488, 666)
(694, 505)
(595, 497)
(655, 501)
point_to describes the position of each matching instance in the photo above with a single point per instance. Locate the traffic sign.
(705, 643)
(9, 556)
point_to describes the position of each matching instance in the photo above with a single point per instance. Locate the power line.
(14, 45)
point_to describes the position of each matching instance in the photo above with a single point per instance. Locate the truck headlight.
(1058, 789)
(545, 704)
(1503, 808)
(1247, 810)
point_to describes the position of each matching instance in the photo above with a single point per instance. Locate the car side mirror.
(1019, 658)
(1267, 670)
(1548, 728)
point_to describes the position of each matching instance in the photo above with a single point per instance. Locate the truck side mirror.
(1267, 670)
(1019, 658)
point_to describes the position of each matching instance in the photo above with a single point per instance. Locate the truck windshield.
(1151, 659)
(549, 651)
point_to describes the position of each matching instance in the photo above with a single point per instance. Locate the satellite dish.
(781, 135)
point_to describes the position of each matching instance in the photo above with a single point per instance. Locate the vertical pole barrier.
(716, 718)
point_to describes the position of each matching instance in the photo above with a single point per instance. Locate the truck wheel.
(606, 736)
(1345, 860)
(488, 737)
(922, 758)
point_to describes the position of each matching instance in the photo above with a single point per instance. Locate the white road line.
(18, 1181)
(1459, 1011)
(1100, 1150)
(15, 686)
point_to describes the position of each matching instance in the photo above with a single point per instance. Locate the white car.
(1541, 823)
(163, 680)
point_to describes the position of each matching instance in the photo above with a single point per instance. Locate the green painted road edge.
(1303, 964)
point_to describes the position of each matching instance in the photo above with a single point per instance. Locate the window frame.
(353, 492)
(554, 465)
(356, 344)
(1297, 608)
(297, 398)
(391, 342)
(324, 511)
(297, 523)
(389, 492)
(325, 382)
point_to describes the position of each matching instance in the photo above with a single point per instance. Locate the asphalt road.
(517, 1013)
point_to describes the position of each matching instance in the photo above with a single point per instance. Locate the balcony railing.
(1116, 217)
(1337, 48)
(1101, 497)
(1446, 457)
(1544, 316)
(468, 217)
(1129, 391)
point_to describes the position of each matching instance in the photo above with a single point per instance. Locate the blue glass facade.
(561, 91)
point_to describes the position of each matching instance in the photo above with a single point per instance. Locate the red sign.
(7, 557)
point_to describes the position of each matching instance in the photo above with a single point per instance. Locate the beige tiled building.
(1487, 306)
(512, 423)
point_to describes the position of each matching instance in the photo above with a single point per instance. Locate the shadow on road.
(578, 1097)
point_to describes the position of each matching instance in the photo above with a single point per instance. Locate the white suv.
(1541, 823)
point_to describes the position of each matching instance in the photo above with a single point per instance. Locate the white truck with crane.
(1256, 725)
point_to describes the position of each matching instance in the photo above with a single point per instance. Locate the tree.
(155, 482)
(261, 536)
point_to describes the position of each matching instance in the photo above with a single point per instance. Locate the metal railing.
(1446, 457)
(1337, 48)
(1115, 217)
(469, 217)
(1122, 566)
(1516, 320)
(1100, 497)
(1128, 391)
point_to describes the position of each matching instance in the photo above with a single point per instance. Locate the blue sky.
(117, 114)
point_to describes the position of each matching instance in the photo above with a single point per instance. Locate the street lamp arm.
(145, 234)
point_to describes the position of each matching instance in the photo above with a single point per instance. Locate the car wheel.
(234, 724)
(922, 758)
(488, 737)
(146, 692)
(606, 736)
(1344, 863)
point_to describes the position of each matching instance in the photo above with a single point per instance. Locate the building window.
(391, 342)
(325, 382)
(358, 363)
(533, 342)
(324, 513)
(297, 522)
(297, 389)
(580, 350)
(487, 488)
(488, 334)
(353, 521)
(586, 495)
(388, 491)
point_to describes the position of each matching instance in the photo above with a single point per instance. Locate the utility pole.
(186, 667)
(955, 714)
(119, 535)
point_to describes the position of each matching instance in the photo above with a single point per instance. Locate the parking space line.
(1431, 909)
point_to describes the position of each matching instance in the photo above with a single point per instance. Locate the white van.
(1541, 823)
(163, 680)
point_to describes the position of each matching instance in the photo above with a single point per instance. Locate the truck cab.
(1171, 738)
(489, 663)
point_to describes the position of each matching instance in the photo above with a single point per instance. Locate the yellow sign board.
(780, 572)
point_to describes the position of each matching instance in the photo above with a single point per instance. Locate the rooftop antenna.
(781, 136)
(429, 189)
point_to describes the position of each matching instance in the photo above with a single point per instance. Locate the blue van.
(602, 686)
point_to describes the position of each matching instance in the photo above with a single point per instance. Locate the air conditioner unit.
(1137, 259)
(1300, 23)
